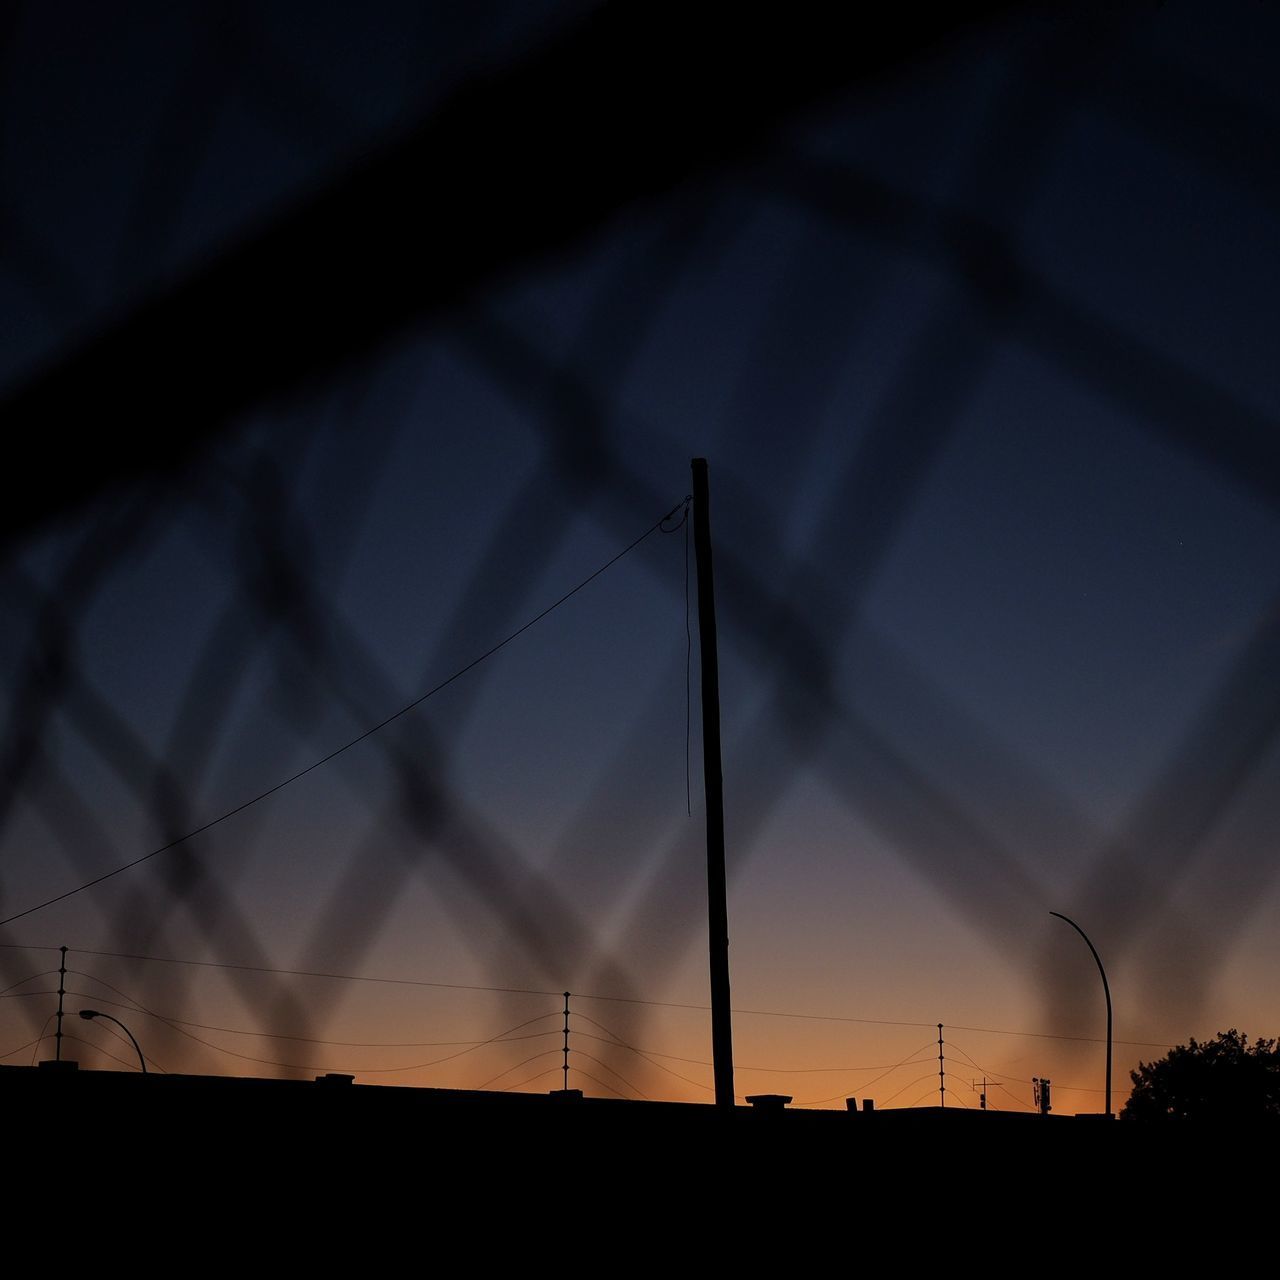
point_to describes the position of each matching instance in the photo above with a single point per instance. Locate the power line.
(270, 1035)
(640, 1053)
(702, 1062)
(538, 991)
(977, 1066)
(501, 1038)
(511, 1088)
(932, 1075)
(604, 1085)
(910, 1060)
(177, 1025)
(29, 978)
(611, 1070)
(586, 1075)
(317, 973)
(21, 1048)
(113, 1031)
(40, 1039)
(1074, 1088)
(867, 1084)
(926, 1094)
(1049, 1035)
(97, 1048)
(532, 1058)
(1014, 1096)
(874, 1022)
(346, 746)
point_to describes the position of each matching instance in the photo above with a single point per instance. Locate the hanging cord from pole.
(683, 523)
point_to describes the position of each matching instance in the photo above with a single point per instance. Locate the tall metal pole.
(713, 781)
(1106, 990)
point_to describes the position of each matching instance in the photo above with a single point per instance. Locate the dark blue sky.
(971, 352)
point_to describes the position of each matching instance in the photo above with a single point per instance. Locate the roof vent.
(769, 1101)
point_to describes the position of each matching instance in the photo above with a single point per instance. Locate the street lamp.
(89, 1014)
(1106, 989)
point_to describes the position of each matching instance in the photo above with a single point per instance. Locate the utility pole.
(62, 991)
(942, 1072)
(566, 1042)
(713, 782)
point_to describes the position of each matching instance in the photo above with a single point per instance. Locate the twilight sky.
(982, 354)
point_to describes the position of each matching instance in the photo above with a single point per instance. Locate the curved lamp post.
(1106, 991)
(89, 1014)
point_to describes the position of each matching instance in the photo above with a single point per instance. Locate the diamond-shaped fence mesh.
(390, 340)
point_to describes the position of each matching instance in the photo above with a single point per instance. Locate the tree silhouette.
(1221, 1079)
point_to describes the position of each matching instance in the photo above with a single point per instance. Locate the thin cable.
(124, 1040)
(586, 1075)
(932, 1075)
(672, 1057)
(701, 1062)
(272, 1035)
(21, 1049)
(909, 1061)
(988, 1076)
(315, 973)
(1048, 1035)
(688, 682)
(737, 1066)
(511, 1088)
(518, 1065)
(578, 1053)
(1014, 1096)
(133, 1066)
(688, 656)
(112, 1031)
(40, 1039)
(868, 1084)
(977, 1066)
(500, 1038)
(535, 991)
(346, 746)
(1074, 1088)
(757, 1013)
(30, 978)
(640, 1053)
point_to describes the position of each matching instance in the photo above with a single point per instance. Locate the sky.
(981, 355)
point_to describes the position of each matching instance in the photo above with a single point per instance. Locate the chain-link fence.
(339, 347)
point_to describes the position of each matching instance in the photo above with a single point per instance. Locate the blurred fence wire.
(282, 283)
